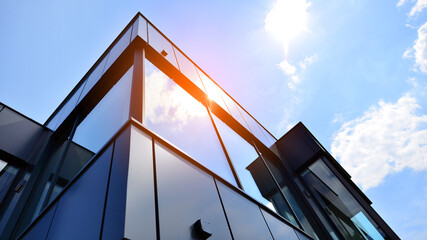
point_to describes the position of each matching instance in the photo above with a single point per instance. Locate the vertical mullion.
(136, 110)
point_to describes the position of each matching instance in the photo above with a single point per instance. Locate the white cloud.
(338, 118)
(287, 68)
(420, 49)
(169, 103)
(308, 61)
(294, 81)
(418, 7)
(408, 53)
(292, 72)
(400, 3)
(413, 82)
(386, 139)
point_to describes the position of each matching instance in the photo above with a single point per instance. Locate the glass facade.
(208, 134)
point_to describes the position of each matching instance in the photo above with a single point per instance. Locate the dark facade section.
(343, 209)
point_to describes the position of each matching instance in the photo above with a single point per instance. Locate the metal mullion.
(230, 162)
(60, 163)
(137, 110)
(277, 185)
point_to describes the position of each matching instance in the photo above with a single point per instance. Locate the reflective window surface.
(7, 175)
(344, 211)
(188, 69)
(66, 109)
(118, 48)
(242, 154)
(93, 77)
(178, 117)
(161, 45)
(107, 116)
(140, 28)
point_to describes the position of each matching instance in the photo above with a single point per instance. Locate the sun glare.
(287, 19)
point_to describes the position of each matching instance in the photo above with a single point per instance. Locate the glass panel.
(161, 45)
(257, 130)
(94, 131)
(346, 213)
(107, 116)
(66, 109)
(242, 155)
(278, 175)
(178, 117)
(139, 28)
(7, 175)
(216, 94)
(213, 91)
(93, 77)
(118, 48)
(9, 203)
(188, 69)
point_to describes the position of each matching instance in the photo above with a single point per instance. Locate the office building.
(148, 146)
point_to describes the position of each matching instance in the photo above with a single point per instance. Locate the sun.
(287, 19)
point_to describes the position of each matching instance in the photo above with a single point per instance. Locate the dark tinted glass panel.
(93, 77)
(161, 45)
(242, 154)
(118, 48)
(277, 173)
(344, 211)
(244, 216)
(10, 202)
(185, 194)
(66, 109)
(188, 69)
(175, 115)
(279, 229)
(107, 116)
(7, 176)
(140, 28)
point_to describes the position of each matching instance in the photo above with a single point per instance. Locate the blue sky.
(354, 74)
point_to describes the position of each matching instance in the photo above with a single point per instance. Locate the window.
(341, 207)
(179, 118)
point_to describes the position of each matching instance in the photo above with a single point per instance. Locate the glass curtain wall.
(88, 136)
(188, 124)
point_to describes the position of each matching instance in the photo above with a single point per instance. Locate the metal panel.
(18, 135)
(279, 229)
(140, 218)
(80, 209)
(301, 236)
(40, 229)
(114, 218)
(244, 217)
(186, 194)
